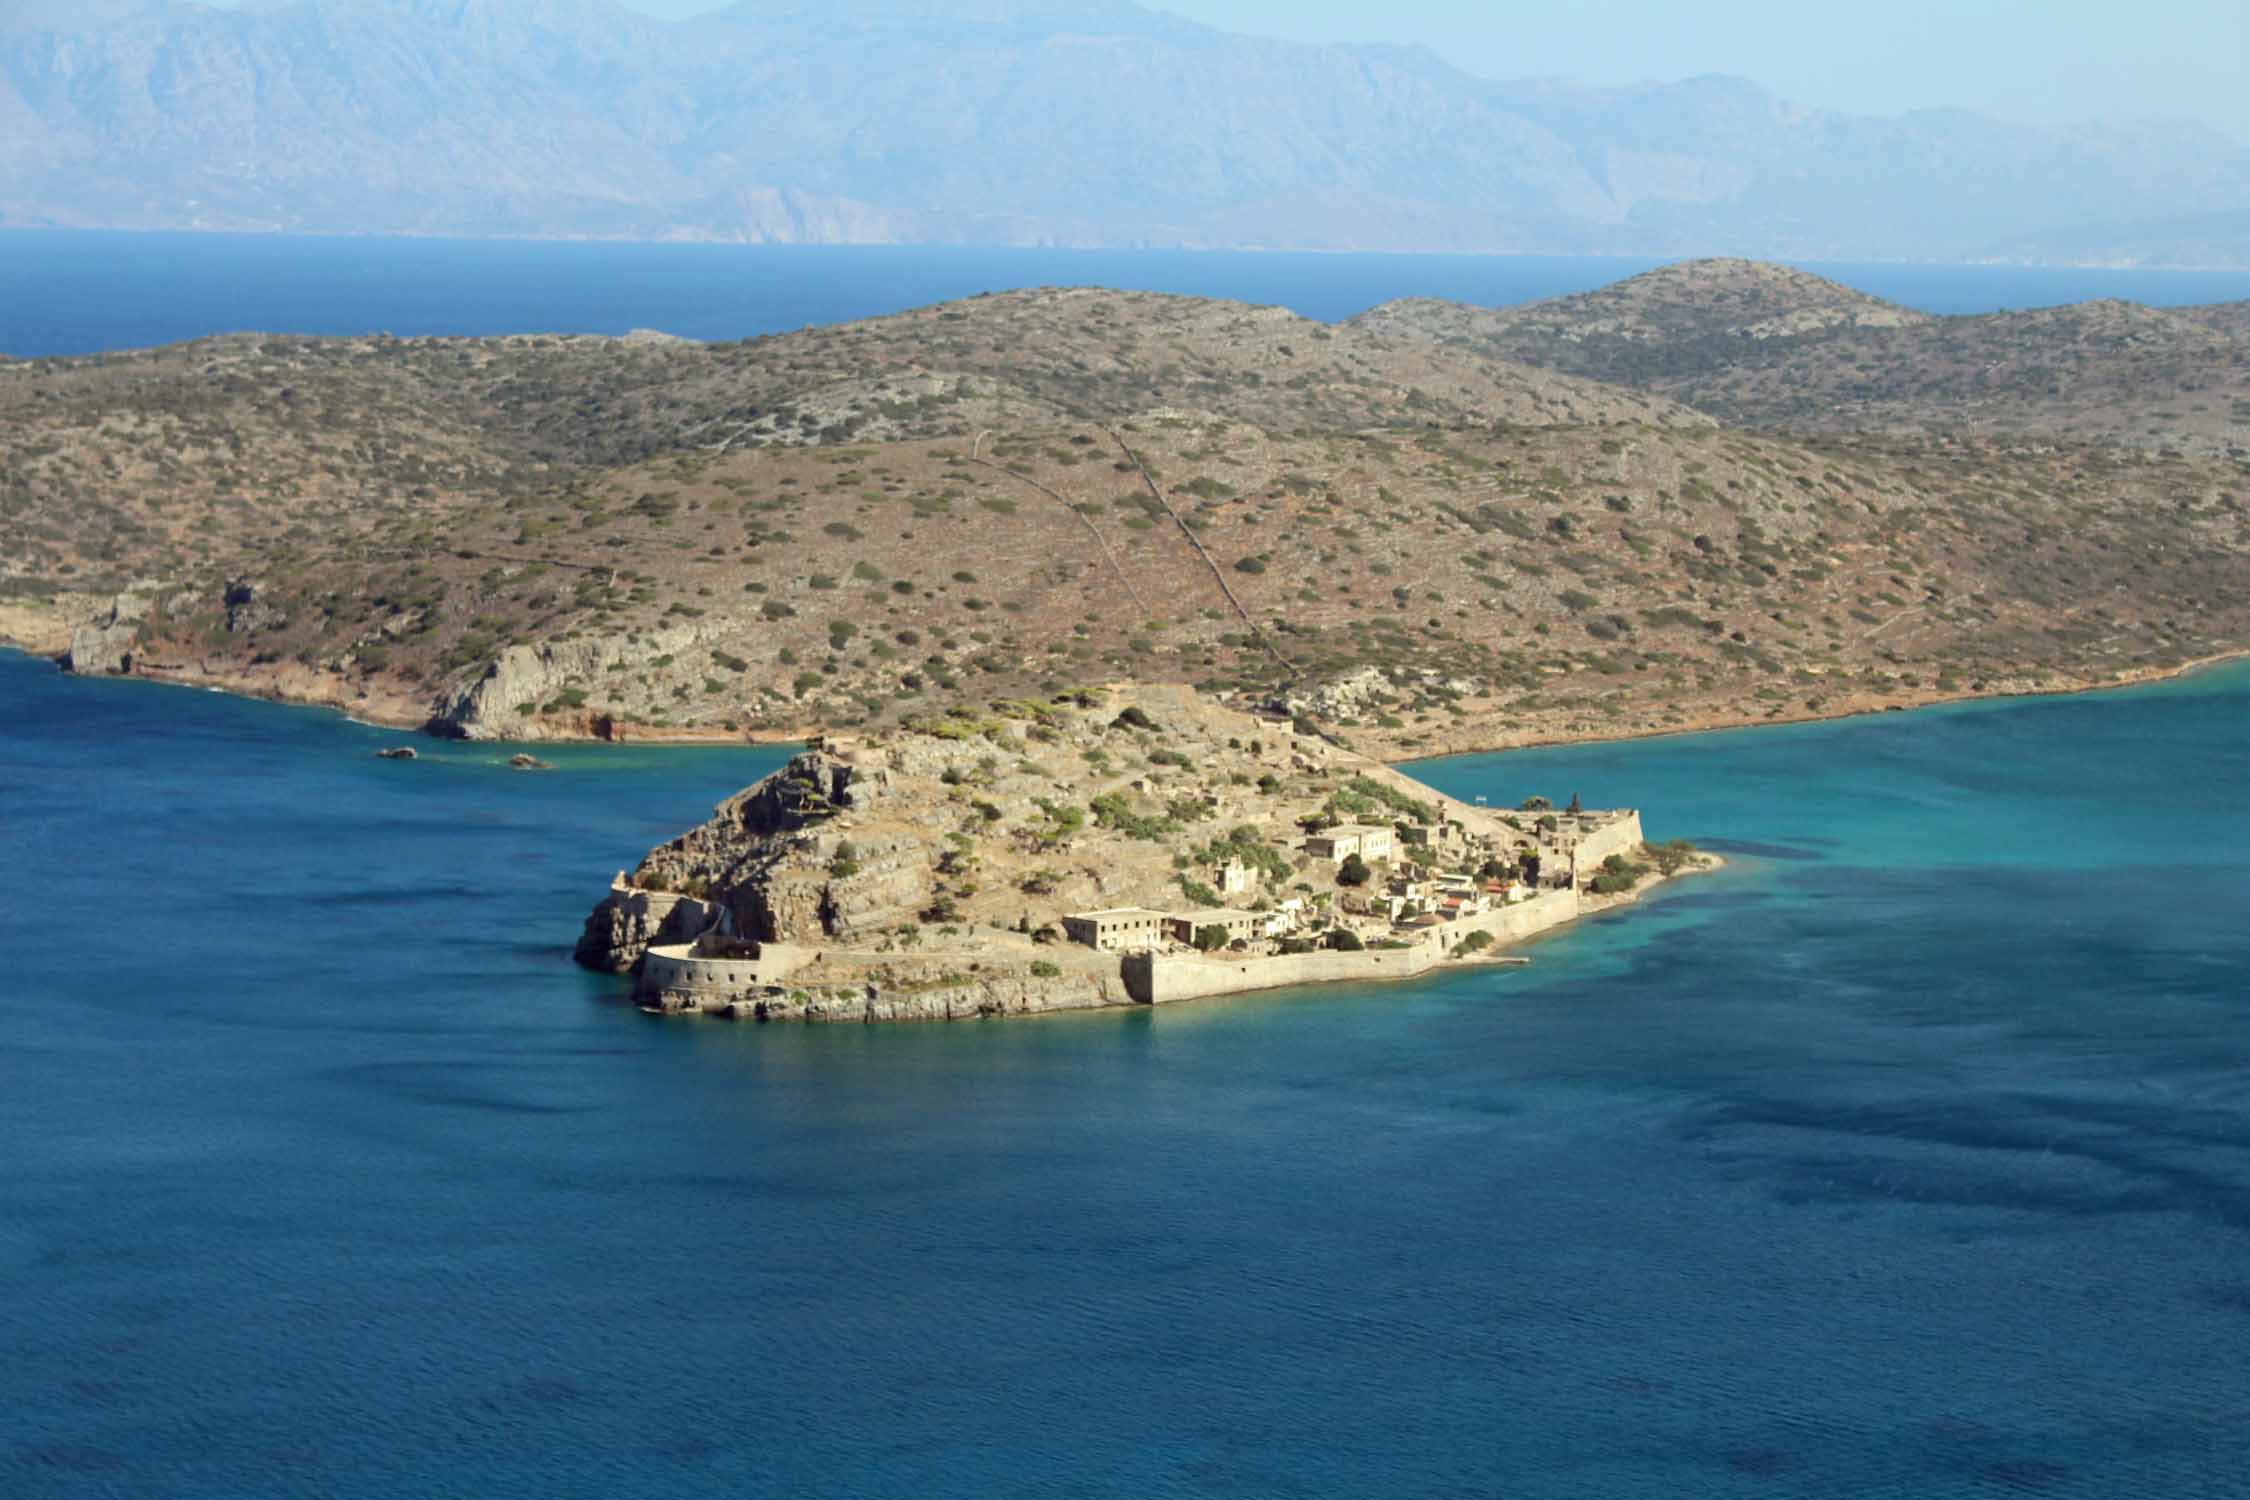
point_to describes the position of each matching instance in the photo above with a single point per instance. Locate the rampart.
(674, 976)
(1619, 837)
(1162, 978)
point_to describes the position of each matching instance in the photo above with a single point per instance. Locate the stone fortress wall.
(677, 970)
(1163, 978)
(1621, 835)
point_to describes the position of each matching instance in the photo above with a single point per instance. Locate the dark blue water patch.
(391, 896)
(448, 1084)
(80, 292)
(1917, 1168)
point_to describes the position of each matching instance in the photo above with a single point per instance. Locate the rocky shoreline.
(1477, 731)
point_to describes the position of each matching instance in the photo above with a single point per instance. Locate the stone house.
(1120, 929)
(1347, 839)
(1241, 926)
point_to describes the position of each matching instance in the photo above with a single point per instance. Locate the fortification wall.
(1620, 837)
(674, 977)
(1163, 978)
(1509, 924)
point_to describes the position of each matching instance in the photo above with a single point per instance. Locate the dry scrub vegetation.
(1771, 347)
(865, 524)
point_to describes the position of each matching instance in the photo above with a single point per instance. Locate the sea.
(1908, 1155)
(85, 292)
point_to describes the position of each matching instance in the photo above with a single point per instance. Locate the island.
(1130, 844)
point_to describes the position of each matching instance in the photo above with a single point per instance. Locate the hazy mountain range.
(1017, 121)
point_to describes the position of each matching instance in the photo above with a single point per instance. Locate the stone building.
(1347, 839)
(1241, 926)
(1120, 929)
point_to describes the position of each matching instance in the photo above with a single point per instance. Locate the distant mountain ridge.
(1098, 122)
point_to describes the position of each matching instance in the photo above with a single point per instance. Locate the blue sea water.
(84, 292)
(1908, 1156)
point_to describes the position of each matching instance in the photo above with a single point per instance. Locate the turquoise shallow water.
(1908, 1156)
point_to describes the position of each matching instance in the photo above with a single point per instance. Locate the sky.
(2031, 60)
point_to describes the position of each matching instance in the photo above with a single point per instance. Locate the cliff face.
(784, 861)
(629, 921)
(526, 692)
(104, 646)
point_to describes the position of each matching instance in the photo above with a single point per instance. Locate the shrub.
(1042, 969)
(1249, 565)
(1353, 871)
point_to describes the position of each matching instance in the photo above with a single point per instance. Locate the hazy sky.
(2020, 59)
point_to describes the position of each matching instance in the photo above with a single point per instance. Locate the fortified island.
(1116, 846)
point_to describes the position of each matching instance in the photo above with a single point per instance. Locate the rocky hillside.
(1014, 496)
(1678, 320)
(1002, 818)
(2110, 371)
(1767, 346)
(2229, 318)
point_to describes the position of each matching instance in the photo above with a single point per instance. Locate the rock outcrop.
(526, 682)
(105, 646)
(624, 925)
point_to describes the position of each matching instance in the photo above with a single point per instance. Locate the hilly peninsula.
(1433, 528)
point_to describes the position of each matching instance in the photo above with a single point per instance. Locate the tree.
(1210, 939)
(1353, 871)
(1344, 940)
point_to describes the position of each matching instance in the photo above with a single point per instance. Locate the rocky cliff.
(528, 691)
(104, 646)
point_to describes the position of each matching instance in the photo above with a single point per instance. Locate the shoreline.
(1379, 749)
(1721, 724)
